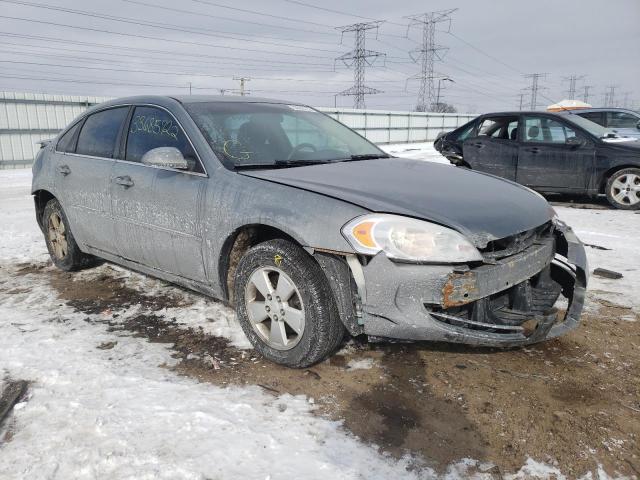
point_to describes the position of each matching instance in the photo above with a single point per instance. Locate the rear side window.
(66, 142)
(153, 128)
(498, 127)
(100, 132)
(595, 117)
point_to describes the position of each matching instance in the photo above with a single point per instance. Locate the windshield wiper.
(280, 164)
(367, 156)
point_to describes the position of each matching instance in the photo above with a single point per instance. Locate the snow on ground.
(118, 413)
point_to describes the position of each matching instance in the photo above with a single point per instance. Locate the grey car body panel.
(481, 206)
(174, 225)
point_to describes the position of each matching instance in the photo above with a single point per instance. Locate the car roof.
(598, 109)
(187, 99)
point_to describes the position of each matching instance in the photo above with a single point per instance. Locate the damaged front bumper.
(508, 302)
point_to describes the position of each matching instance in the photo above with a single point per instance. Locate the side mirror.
(166, 157)
(638, 125)
(575, 142)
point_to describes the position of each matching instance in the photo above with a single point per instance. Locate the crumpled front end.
(530, 287)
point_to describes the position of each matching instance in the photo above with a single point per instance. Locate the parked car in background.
(551, 153)
(306, 227)
(624, 122)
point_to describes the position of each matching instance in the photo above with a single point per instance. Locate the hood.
(481, 206)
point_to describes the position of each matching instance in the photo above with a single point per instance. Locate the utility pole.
(535, 88)
(627, 100)
(359, 58)
(585, 95)
(521, 95)
(189, 88)
(427, 53)
(572, 79)
(242, 80)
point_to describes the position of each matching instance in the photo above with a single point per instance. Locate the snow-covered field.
(120, 413)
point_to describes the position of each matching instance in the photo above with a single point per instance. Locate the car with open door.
(550, 153)
(308, 229)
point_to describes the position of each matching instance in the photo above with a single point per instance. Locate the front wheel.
(285, 305)
(623, 189)
(63, 249)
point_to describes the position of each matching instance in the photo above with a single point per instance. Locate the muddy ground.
(573, 400)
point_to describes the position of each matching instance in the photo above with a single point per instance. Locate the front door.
(83, 168)
(494, 149)
(158, 211)
(553, 156)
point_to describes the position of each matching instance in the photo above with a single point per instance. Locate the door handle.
(533, 150)
(125, 181)
(64, 170)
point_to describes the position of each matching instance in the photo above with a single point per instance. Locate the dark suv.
(551, 153)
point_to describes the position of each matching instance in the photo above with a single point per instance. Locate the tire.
(623, 189)
(313, 330)
(63, 249)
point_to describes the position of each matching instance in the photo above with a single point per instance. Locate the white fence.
(26, 119)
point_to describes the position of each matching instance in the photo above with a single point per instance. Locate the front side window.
(256, 134)
(622, 120)
(100, 132)
(67, 141)
(546, 130)
(153, 127)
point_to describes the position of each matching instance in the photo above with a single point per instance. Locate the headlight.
(408, 239)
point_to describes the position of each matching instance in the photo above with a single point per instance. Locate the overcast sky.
(288, 47)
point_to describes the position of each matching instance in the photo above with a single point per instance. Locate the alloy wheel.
(275, 308)
(57, 236)
(625, 189)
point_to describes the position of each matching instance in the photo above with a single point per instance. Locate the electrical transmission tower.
(243, 81)
(535, 88)
(359, 58)
(427, 54)
(610, 95)
(585, 94)
(572, 79)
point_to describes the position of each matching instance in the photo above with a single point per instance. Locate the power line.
(255, 12)
(148, 37)
(228, 19)
(427, 54)
(309, 5)
(199, 56)
(358, 58)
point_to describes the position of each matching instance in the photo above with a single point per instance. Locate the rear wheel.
(63, 249)
(623, 189)
(285, 305)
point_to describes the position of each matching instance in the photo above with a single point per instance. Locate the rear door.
(547, 160)
(494, 149)
(158, 211)
(84, 163)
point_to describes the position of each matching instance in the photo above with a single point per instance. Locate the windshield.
(591, 127)
(244, 134)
